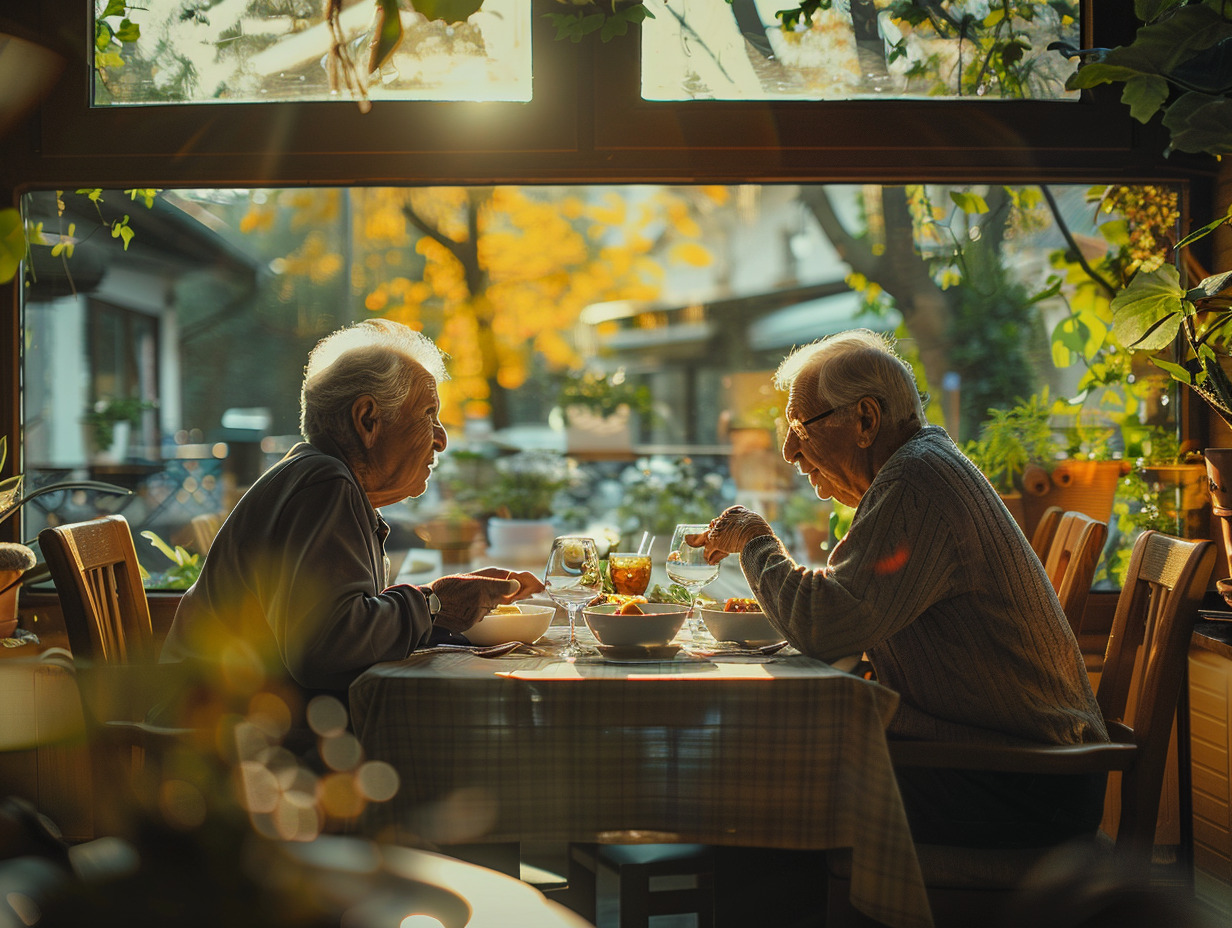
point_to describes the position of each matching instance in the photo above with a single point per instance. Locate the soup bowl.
(657, 626)
(747, 628)
(527, 625)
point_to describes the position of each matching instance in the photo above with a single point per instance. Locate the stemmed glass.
(572, 580)
(687, 566)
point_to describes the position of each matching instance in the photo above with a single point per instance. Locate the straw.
(643, 546)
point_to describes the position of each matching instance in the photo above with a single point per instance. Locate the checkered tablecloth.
(783, 752)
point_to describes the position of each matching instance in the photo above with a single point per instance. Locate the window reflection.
(854, 49)
(268, 51)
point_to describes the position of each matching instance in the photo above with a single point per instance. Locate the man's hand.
(467, 598)
(729, 532)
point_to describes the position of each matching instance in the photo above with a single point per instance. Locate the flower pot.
(1219, 484)
(587, 432)
(452, 537)
(520, 541)
(1084, 486)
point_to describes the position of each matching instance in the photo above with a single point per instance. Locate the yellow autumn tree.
(498, 276)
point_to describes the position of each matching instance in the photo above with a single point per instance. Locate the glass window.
(630, 330)
(858, 49)
(280, 50)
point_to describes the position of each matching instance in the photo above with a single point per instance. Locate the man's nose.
(440, 438)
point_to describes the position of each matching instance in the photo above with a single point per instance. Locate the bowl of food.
(741, 621)
(634, 624)
(525, 622)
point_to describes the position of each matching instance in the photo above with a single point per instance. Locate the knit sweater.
(297, 573)
(938, 585)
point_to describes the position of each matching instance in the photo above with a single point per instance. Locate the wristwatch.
(434, 602)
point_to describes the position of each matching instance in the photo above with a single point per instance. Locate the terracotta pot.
(1219, 476)
(1085, 486)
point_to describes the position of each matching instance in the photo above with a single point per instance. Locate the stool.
(645, 880)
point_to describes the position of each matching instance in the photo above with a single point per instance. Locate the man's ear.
(868, 418)
(365, 417)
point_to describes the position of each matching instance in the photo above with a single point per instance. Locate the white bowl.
(747, 628)
(526, 625)
(655, 628)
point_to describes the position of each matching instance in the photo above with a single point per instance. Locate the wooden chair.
(1045, 529)
(94, 566)
(96, 574)
(204, 527)
(1155, 612)
(1071, 560)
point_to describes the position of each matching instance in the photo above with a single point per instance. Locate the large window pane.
(892, 49)
(558, 305)
(265, 51)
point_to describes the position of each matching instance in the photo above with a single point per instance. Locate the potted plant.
(108, 424)
(1016, 447)
(600, 410)
(18, 563)
(660, 493)
(522, 495)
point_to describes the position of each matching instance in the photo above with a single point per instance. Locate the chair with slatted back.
(96, 574)
(1045, 529)
(94, 566)
(1072, 558)
(1144, 668)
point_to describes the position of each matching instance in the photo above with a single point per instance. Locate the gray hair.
(377, 357)
(854, 364)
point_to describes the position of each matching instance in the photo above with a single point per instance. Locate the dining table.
(715, 744)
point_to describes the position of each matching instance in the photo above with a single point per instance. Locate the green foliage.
(184, 570)
(525, 485)
(658, 494)
(604, 396)
(610, 19)
(12, 243)
(1011, 439)
(1154, 309)
(450, 11)
(1178, 64)
(106, 413)
(112, 31)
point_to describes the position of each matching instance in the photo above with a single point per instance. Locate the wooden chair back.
(94, 566)
(1071, 560)
(1155, 613)
(204, 527)
(1045, 529)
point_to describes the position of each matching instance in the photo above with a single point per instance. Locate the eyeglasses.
(801, 428)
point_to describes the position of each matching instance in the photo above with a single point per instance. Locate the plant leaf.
(1200, 122)
(1147, 314)
(449, 11)
(1144, 94)
(387, 36)
(12, 247)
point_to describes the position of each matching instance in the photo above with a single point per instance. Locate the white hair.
(850, 365)
(379, 357)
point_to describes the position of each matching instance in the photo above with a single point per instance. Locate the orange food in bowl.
(630, 608)
(741, 604)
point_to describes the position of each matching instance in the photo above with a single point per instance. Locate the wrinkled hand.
(729, 532)
(467, 598)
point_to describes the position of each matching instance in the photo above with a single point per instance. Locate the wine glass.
(687, 566)
(572, 580)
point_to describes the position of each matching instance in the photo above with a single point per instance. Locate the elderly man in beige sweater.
(937, 584)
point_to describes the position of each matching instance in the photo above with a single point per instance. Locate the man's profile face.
(406, 449)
